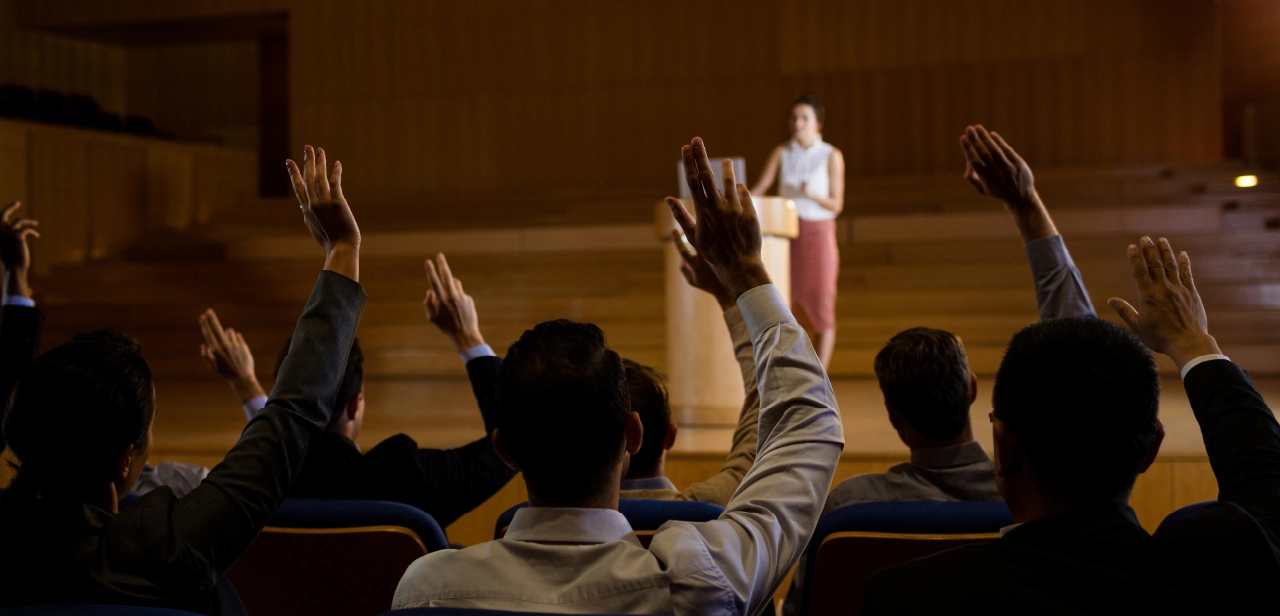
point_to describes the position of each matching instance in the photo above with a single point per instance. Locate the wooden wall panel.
(205, 92)
(45, 61)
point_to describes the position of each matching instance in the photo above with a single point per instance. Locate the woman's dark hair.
(75, 411)
(819, 110)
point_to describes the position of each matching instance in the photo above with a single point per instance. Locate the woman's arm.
(769, 173)
(835, 171)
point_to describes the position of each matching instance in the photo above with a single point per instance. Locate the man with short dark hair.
(446, 483)
(1074, 423)
(566, 422)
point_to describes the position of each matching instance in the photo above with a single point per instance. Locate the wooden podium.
(704, 380)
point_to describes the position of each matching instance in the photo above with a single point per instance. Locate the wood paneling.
(45, 61)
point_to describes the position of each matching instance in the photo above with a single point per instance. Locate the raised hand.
(449, 307)
(15, 254)
(996, 170)
(325, 211)
(1172, 320)
(727, 230)
(699, 274)
(227, 355)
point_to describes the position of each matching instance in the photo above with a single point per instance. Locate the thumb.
(1126, 312)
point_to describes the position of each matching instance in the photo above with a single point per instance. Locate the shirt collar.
(795, 144)
(648, 483)
(570, 525)
(949, 456)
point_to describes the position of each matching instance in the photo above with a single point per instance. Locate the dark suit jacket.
(170, 552)
(1225, 558)
(19, 344)
(444, 483)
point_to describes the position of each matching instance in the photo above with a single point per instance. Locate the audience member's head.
(565, 417)
(110, 336)
(348, 410)
(1075, 405)
(924, 376)
(808, 114)
(80, 420)
(648, 393)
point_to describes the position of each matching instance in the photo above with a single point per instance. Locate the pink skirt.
(815, 266)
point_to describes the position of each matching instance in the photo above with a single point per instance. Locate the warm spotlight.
(1247, 181)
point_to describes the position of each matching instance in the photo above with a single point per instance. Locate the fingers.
(1184, 268)
(446, 277)
(28, 233)
(309, 172)
(1170, 261)
(433, 277)
(9, 210)
(25, 223)
(686, 270)
(682, 217)
(457, 288)
(730, 185)
(206, 330)
(335, 179)
(299, 183)
(979, 148)
(746, 206)
(1139, 267)
(1151, 254)
(1126, 312)
(691, 174)
(207, 355)
(682, 248)
(1008, 150)
(322, 175)
(996, 152)
(431, 303)
(705, 176)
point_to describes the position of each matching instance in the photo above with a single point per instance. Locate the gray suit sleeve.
(1060, 290)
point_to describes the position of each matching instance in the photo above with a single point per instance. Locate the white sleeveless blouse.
(801, 165)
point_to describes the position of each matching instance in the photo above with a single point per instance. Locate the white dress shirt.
(588, 560)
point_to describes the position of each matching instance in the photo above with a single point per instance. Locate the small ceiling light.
(1247, 181)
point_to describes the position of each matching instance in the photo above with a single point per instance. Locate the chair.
(341, 557)
(72, 609)
(644, 515)
(1181, 514)
(853, 542)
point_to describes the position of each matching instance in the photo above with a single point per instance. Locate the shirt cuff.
(1047, 253)
(1200, 360)
(479, 350)
(18, 300)
(254, 405)
(762, 308)
(733, 317)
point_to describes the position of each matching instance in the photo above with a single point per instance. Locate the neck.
(915, 441)
(1031, 502)
(806, 142)
(605, 500)
(346, 429)
(660, 470)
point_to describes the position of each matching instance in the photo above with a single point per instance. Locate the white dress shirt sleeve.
(771, 517)
(479, 350)
(252, 406)
(1200, 360)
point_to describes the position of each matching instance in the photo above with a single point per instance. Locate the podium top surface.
(778, 217)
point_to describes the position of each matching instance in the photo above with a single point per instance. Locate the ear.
(504, 452)
(123, 465)
(670, 440)
(973, 387)
(353, 407)
(1007, 449)
(635, 432)
(1154, 450)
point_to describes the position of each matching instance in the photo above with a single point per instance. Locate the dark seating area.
(76, 110)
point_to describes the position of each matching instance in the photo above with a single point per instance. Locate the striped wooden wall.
(575, 99)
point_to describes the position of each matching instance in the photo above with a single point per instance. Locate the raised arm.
(20, 321)
(719, 488)
(769, 174)
(996, 170)
(453, 312)
(1240, 432)
(218, 520)
(771, 517)
(227, 354)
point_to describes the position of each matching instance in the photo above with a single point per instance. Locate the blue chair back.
(320, 557)
(1182, 513)
(645, 515)
(852, 542)
(71, 609)
(458, 611)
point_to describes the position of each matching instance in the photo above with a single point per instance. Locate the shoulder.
(835, 156)
(858, 489)
(398, 446)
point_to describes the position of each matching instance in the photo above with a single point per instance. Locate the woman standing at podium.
(812, 175)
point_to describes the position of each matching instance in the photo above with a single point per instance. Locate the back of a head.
(352, 375)
(1081, 395)
(75, 411)
(924, 376)
(110, 336)
(563, 408)
(647, 391)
